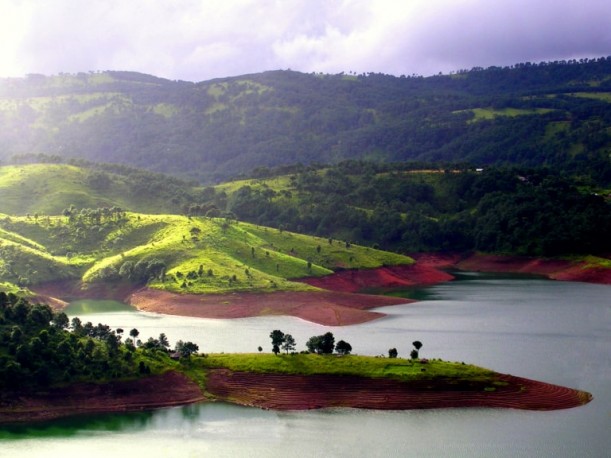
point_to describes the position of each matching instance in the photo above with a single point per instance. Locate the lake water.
(558, 332)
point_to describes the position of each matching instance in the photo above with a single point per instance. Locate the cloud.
(202, 39)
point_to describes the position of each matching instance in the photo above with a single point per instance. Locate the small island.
(53, 367)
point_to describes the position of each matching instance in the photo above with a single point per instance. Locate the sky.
(198, 40)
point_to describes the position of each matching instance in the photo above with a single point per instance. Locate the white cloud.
(202, 39)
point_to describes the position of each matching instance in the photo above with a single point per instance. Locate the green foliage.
(47, 189)
(406, 208)
(170, 252)
(365, 366)
(343, 348)
(37, 349)
(214, 129)
(321, 345)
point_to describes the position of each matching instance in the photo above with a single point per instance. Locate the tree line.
(40, 348)
(516, 210)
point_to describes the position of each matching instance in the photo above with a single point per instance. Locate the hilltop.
(88, 212)
(555, 114)
(143, 258)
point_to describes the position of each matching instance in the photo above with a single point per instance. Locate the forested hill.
(555, 114)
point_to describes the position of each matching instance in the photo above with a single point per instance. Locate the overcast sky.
(197, 40)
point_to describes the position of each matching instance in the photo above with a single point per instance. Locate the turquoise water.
(557, 332)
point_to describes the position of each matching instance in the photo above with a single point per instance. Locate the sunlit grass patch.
(365, 366)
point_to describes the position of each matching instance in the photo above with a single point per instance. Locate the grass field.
(366, 366)
(491, 113)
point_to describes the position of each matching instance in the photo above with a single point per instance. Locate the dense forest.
(40, 348)
(554, 114)
(535, 212)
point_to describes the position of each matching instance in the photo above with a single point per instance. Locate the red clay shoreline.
(295, 392)
(339, 302)
(150, 393)
(287, 392)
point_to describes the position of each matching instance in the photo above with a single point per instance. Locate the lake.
(557, 332)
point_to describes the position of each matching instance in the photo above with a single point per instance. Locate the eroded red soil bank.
(351, 281)
(556, 269)
(326, 307)
(339, 304)
(290, 392)
(170, 389)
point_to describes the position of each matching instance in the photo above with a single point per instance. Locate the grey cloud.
(197, 40)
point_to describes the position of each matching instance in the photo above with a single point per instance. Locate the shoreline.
(296, 392)
(150, 393)
(287, 392)
(338, 303)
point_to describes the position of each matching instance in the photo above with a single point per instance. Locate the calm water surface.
(558, 332)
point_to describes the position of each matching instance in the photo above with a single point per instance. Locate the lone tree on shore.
(343, 347)
(416, 351)
(392, 353)
(277, 337)
(289, 343)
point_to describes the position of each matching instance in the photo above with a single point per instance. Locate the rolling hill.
(555, 114)
(169, 252)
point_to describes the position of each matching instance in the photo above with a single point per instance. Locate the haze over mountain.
(554, 114)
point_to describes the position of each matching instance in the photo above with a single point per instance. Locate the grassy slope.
(261, 259)
(50, 188)
(241, 256)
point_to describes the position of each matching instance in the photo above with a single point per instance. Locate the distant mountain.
(556, 114)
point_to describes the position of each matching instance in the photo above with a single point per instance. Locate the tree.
(313, 344)
(186, 349)
(289, 343)
(277, 337)
(275, 349)
(321, 344)
(343, 348)
(163, 341)
(416, 351)
(392, 353)
(134, 333)
(60, 320)
(328, 343)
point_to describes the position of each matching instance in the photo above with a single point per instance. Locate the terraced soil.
(291, 392)
(169, 389)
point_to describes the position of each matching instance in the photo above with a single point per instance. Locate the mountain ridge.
(555, 114)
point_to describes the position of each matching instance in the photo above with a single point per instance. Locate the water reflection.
(552, 331)
(80, 425)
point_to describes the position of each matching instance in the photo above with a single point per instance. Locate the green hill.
(170, 252)
(555, 114)
(51, 188)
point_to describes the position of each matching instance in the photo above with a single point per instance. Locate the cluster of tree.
(139, 272)
(41, 348)
(414, 354)
(321, 345)
(513, 210)
(214, 129)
